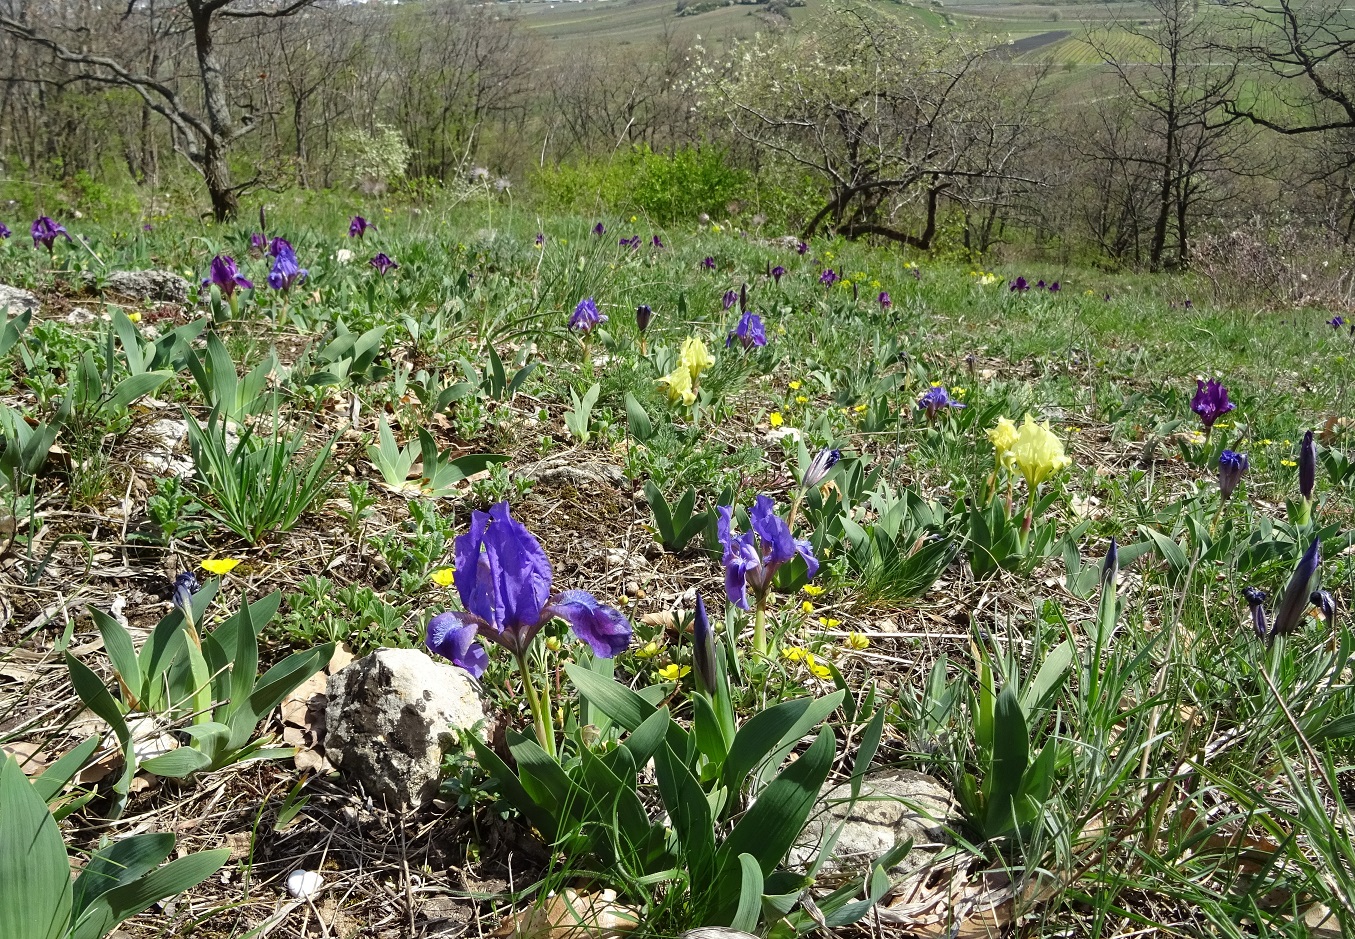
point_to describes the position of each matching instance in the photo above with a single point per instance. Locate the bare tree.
(203, 133)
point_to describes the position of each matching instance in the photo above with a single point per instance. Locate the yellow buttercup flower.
(443, 576)
(801, 399)
(1003, 437)
(648, 650)
(807, 606)
(134, 317)
(220, 566)
(554, 644)
(817, 668)
(857, 641)
(694, 357)
(793, 654)
(794, 386)
(827, 623)
(775, 419)
(673, 672)
(812, 590)
(1037, 452)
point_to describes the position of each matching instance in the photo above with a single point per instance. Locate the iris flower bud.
(1232, 467)
(703, 650)
(1110, 567)
(1307, 467)
(1256, 599)
(820, 466)
(1295, 601)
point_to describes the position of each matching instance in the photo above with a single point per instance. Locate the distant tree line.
(853, 122)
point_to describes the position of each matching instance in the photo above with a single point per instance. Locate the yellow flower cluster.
(1035, 451)
(693, 359)
(798, 654)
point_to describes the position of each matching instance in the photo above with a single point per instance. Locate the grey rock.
(149, 285)
(166, 439)
(391, 716)
(587, 473)
(79, 316)
(17, 300)
(895, 806)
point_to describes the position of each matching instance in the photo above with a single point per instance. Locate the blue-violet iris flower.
(778, 272)
(383, 263)
(751, 559)
(885, 301)
(224, 275)
(934, 400)
(45, 232)
(286, 270)
(4, 230)
(750, 332)
(358, 227)
(1210, 402)
(586, 317)
(1232, 467)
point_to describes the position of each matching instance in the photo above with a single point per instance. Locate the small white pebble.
(303, 885)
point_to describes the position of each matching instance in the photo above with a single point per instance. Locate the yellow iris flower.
(1003, 437)
(1037, 452)
(679, 382)
(694, 357)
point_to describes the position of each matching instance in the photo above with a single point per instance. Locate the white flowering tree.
(892, 121)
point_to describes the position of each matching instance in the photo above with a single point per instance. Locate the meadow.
(1072, 547)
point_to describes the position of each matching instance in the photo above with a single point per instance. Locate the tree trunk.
(216, 170)
(217, 174)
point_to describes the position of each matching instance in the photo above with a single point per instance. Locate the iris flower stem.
(545, 734)
(760, 627)
(794, 509)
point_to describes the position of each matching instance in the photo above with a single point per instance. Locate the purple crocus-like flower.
(1210, 402)
(357, 228)
(750, 332)
(599, 229)
(643, 314)
(504, 580)
(225, 276)
(1054, 287)
(633, 242)
(146, 228)
(586, 317)
(820, 466)
(708, 263)
(656, 242)
(829, 277)
(751, 559)
(1232, 467)
(885, 301)
(4, 230)
(1307, 467)
(1020, 285)
(936, 399)
(1256, 601)
(802, 248)
(45, 232)
(383, 263)
(1336, 322)
(286, 270)
(778, 272)
(258, 244)
(730, 298)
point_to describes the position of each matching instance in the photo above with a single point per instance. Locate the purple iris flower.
(185, 585)
(1232, 467)
(225, 276)
(1020, 285)
(258, 244)
(383, 263)
(1210, 402)
(752, 558)
(703, 649)
(4, 230)
(1040, 284)
(643, 314)
(358, 227)
(286, 270)
(934, 400)
(656, 242)
(540, 238)
(586, 317)
(730, 298)
(820, 466)
(708, 263)
(750, 332)
(885, 301)
(802, 248)
(599, 229)
(1054, 287)
(633, 242)
(45, 232)
(504, 580)
(146, 228)
(1336, 322)
(778, 272)
(829, 277)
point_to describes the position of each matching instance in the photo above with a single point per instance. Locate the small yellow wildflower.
(673, 672)
(812, 590)
(829, 623)
(220, 566)
(553, 643)
(801, 399)
(859, 409)
(857, 641)
(775, 419)
(793, 654)
(807, 606)
(134, 316)
(958, 392)
(443, 576)
(634, 218)
(794, 386)
(817, 668)
(648, 650)
(1037, 452)
(988, 279)
(1289, 463)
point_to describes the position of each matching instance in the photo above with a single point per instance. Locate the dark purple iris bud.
(751, 559)
(599, 229)
(885, 301)
(225, 276)
(1210, 402)
(1294, 603)
(1307, 467)
(935, 400)
(383, 263)
(1232, 467)
(708, 263)
(778, 272)
(1188, 305)
(286, 270)
(1256, 600)
(1336, 322)
(46, 231)
(258, 245)
(1040, 284)
(4, 230)
(656, 242)
(504, 580)
(643, 314)
(820, 466)
(730, 298)
(185, 585)
(586, 317)
(1326, 605)
(802, 248)
(750, 332)
(703, 649)
(357, 228)
(743, 298)
(1110, 567)
(829, 277)
(1054, 287)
